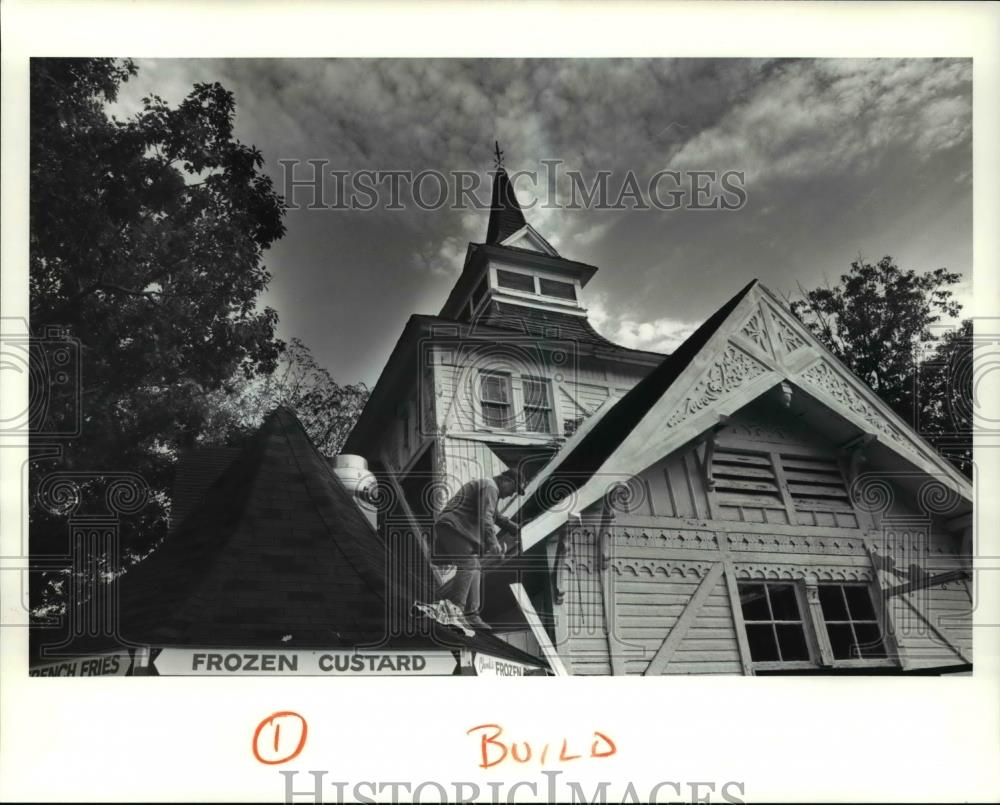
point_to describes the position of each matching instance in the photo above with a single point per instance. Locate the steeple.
(506, 217)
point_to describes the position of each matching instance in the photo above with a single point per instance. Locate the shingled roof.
(543, 324)
(506, 216)
(278, 555)
(275, 548)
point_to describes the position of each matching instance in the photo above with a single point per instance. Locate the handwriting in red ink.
(279, 737)
(493, 750)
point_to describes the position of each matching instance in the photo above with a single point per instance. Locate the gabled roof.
(527, 237)
(506, 216)
(747, 347)
(578, 465)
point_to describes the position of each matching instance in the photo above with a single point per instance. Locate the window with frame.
(560, 290)
(851, 622)
(516, 281)
(495, 399)
(774, 622)
(537, 405)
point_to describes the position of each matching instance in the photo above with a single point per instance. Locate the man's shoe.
(477, 623)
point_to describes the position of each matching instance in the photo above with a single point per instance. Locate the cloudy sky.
(839, 157)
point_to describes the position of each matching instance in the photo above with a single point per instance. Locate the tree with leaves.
(876, 321)
(147, 239)
(327, 409)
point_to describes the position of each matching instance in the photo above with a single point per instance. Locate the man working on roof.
(467, 529)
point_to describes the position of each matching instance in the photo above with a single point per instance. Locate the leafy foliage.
(147, 239)
(876, 320)
(327, 409)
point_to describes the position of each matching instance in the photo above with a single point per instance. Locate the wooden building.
(744, 505)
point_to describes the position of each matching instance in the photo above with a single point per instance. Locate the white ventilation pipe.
(352, 471)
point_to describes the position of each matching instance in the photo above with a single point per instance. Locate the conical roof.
(506, 216)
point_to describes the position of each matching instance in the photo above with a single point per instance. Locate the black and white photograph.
(341, 368)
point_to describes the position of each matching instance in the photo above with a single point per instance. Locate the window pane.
(831, 599)
(518, 282)
(784, 607)
(792, 642)
(496, 416)
(842, 641)
(762, 645)
(869, 640)
(536, 420)
(495, 388)
(754, 603)
(535, 393)
(859, 602)
(563, 290)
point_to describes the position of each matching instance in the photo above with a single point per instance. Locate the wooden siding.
(578, 385)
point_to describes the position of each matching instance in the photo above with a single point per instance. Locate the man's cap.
(515, 476)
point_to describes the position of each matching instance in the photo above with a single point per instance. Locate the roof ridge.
(607, 434)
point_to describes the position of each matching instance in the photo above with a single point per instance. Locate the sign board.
(488, 665)
(345, 662)
(98, 665)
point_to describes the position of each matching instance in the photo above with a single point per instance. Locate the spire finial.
(498, 155)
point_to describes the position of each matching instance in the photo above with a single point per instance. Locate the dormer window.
(516, 281)
(561, 290)
(536, 285)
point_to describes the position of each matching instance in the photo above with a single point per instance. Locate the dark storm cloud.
(840, 157)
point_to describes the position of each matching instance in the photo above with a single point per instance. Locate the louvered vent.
(746, 487)
(816, 485)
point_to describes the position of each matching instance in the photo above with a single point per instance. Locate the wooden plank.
(930, 581)
(726, 471)
(528, 610)
(704, 668)
(739, 459)
(761, 502)
(768, 487)
(946, 639)
(736, 608)
(831, 476)
(816, 490)
(679, 629)
(691, 472)
(816, 459)
(627, 520)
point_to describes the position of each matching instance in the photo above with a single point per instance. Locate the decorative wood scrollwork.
(778, 572)
(754, 331)
(846, 545)
(662, 538)
(664, 567)
(734, 368)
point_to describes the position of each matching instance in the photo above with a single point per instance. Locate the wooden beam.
(930, 581)
(603, 546)
(818, 625)
(683, 623)
(741, 630)
(538, 630)
(885, 604)
(786, 495)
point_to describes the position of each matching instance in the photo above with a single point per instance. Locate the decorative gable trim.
(527, 237)
(732, 370)
(756, 347)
